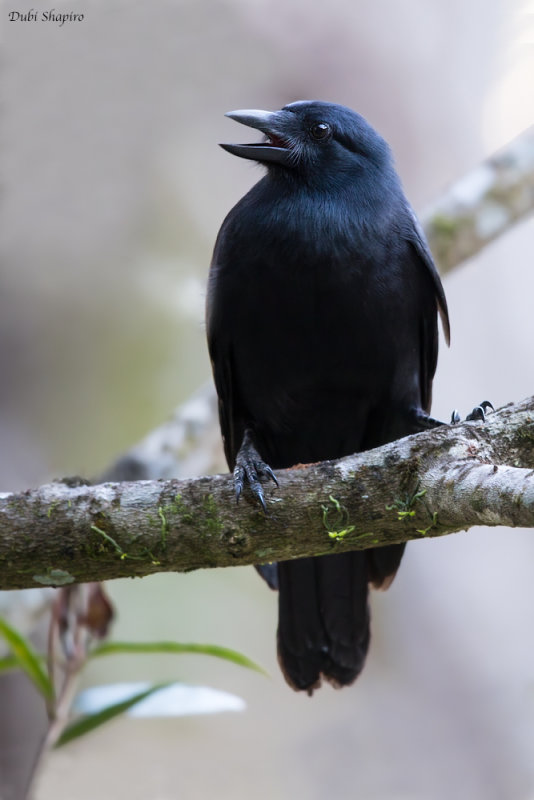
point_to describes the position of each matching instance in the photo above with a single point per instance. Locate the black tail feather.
(323, 629)
(269, 573)
(383, 563)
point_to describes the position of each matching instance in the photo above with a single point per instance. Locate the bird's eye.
(320, 131)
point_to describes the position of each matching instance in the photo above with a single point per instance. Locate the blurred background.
(113, 191)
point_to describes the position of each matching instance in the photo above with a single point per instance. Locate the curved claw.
(267, 471)
(250, 472)
(479, 412)
(250, 469)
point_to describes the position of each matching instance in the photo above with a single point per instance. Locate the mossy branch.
(482, 205)
(421, 486)
(57, 535)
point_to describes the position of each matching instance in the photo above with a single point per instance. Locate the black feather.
(322, 329)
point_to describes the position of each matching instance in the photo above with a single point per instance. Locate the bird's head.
(312, 137)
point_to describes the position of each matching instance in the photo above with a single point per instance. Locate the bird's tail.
(323, 623)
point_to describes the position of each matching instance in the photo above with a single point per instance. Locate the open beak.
(276, 148)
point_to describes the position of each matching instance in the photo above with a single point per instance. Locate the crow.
(322, 326)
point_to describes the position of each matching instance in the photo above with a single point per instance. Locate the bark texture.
(426, 485)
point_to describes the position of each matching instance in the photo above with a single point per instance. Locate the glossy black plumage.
(322, 330)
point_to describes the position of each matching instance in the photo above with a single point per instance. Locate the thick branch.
(56, 534)
(426, 485)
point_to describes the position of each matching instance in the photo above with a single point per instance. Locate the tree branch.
(431, 484)
(428, 485)
(482, 205)
(185, 445)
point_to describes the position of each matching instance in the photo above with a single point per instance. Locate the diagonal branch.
(482, 205)
(431, 484)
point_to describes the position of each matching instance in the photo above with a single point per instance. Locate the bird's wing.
(221, 363)
(416, 236)
(428, 322)
(221, 356)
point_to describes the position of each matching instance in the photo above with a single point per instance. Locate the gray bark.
(483, 204)
(430, 484)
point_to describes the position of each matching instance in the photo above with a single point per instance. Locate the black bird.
(322, 330)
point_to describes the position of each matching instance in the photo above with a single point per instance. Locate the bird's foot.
(477, 414)
(250, 469)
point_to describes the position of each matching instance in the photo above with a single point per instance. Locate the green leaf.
(112, 648)
(8, 663)
(27, 659)
(86, 724)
